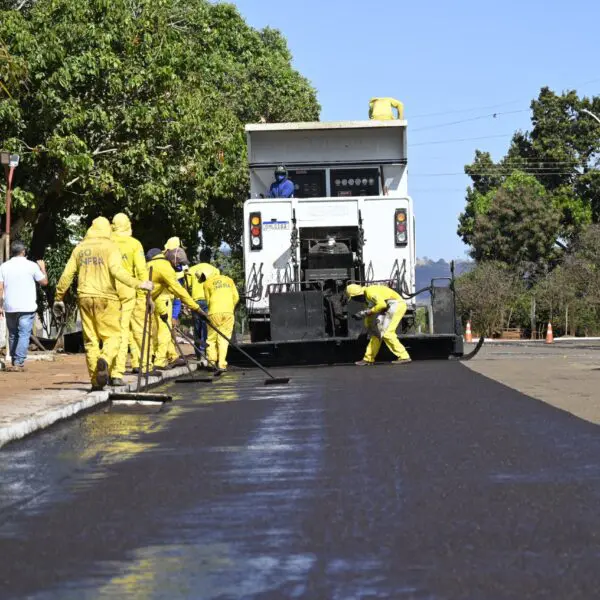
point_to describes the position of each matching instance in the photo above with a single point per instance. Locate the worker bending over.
(385, 309)
(97, 263)
(221, 297)
(196, 290)
(134, 263)
(381, 109)
(165, 282)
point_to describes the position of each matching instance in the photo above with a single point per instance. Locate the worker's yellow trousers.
(164, 347)
(389, 336)
(217, 347)
(101, 322)
(127, 308)
(137, 330)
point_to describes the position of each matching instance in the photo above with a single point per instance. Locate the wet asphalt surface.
(425, 481)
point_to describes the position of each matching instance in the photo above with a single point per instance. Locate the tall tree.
(561, 151)
(519, 227)
(139, 105)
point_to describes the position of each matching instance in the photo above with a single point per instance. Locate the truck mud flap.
(334, 351)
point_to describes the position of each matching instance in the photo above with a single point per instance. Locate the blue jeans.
(200, 329)
(19, 326)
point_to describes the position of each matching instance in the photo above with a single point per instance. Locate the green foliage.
(496, 295)
(487, 295)
(139, 106)
(421, 318)
(520, 226)
(561, 151)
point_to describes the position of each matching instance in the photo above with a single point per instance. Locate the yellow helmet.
(354, 290)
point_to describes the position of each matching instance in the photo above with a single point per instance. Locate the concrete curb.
(46, 418)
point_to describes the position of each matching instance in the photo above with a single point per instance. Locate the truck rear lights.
(400, 230)
(255, 231)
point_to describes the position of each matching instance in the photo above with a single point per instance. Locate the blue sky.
(447, 62)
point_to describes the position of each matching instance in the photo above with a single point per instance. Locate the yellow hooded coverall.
(192, 283)
(376, 297)
(221, 296)
(165, 281)
(164, 305)
(98, 265)
(381, 109)
(135, 264)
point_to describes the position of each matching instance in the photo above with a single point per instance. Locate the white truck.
(350, 220)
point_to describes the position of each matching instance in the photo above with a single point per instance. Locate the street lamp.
(10, 162)
(589, 112)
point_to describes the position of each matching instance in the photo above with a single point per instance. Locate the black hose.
(473, 352)
(409, 296)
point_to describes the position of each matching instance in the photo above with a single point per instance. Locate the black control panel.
(355, 182)
(308, 184)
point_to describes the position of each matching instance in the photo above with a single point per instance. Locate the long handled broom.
(191, 341)
(191, 378)
(139, 397)
(272, 379)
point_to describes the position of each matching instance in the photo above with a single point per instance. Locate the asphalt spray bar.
(139, 397)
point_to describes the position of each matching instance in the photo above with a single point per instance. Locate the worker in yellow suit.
(196, 290)
(98, 264)
(381, 109)
(385, 309)
(135, 264)
(164, 278)
(221, 297)
(168, 303)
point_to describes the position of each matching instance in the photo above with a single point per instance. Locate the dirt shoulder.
(565, 374)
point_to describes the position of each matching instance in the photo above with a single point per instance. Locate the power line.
(486, 174)
(493, 115)
(464, 110)
(472, 139)
(490, 106)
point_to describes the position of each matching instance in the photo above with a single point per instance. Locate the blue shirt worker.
(282, 187)
(18, 277)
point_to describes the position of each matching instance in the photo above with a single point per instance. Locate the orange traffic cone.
(468, 334)
(549, 334)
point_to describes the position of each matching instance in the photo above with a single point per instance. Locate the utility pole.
(10, 162)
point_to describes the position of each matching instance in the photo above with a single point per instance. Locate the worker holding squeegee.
(97, 263)
(164, 278)
(221, 296)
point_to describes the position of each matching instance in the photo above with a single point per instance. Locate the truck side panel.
(272, 264)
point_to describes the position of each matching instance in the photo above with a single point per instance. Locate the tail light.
(255, 231)
(400, 228)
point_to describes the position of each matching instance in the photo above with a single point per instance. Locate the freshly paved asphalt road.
(425, 481)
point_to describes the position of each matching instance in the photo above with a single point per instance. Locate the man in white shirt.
(18, 277)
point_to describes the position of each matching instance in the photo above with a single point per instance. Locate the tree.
(139, 106)
(12, 73)
(561, 151)
(519, 227)
(487, 294)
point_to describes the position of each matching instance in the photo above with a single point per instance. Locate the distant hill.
(428, 269)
